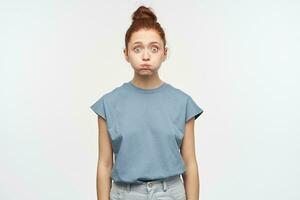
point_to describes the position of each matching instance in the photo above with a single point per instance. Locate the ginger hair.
(144, 18)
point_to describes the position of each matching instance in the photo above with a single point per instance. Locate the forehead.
(145, 37)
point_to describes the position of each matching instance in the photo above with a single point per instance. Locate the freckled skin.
(145, 52)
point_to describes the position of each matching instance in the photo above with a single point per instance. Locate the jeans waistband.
(149, 185)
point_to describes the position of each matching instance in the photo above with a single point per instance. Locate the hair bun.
(144, 13)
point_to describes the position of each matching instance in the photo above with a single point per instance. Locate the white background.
(239, 60)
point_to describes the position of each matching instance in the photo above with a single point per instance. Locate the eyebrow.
(141, 43)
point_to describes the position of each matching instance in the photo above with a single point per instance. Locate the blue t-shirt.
(146, 128)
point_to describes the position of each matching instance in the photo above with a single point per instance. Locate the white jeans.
(171, 188)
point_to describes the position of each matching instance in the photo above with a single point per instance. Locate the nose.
(146, 55)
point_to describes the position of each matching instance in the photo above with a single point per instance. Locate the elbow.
(105, 164)
(189, 163)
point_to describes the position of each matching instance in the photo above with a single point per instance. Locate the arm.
(190, 176)
(105, 161)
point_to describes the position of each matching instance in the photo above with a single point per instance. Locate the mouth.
(145, 66)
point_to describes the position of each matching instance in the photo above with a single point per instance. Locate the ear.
(126, 54)
(165, 54)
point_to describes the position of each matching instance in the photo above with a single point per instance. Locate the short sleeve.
(192, 109)
(99, 107)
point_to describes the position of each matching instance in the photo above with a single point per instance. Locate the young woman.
(147, 124)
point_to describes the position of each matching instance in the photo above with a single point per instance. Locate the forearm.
(103, 181)
(191, 181)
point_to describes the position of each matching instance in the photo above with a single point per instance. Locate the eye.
(136, 48)
(155, 48)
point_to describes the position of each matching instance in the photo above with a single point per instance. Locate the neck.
(147, 82)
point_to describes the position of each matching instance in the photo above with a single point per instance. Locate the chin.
(144, 72)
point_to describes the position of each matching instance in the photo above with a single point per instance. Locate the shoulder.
(185, 102)
(107, 100)
(178, 93)
(113, 94)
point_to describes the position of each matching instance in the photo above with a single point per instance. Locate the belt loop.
(128, 187)
(164, 185)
